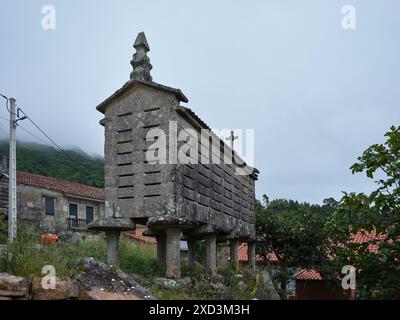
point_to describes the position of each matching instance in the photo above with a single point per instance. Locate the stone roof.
(67, 187)
(131, 83)
(195, 120)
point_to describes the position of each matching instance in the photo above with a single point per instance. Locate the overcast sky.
(315, 94)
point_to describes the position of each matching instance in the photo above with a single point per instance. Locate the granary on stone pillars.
(155, 174)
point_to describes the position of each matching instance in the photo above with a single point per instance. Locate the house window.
(89, 214)
(49, 205)
(73, 210)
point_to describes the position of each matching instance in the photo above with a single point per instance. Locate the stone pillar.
(234, 253)
(112, 240)
(191, 252)
(173, 253)
(161, 248)
(211, 254)
(251, 254)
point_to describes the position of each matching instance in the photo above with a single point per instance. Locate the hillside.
(72, 165)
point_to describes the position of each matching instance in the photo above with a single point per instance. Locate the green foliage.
(26, 256)
(138, 258)
(72, 165)
(378, 274)
(295, 233)
(3, 230)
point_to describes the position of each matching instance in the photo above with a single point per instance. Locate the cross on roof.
(232, 138)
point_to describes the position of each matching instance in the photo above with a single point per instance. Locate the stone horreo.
(190, 187)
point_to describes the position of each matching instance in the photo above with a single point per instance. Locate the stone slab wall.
(135, 188)
(30, 201)
(210, 194)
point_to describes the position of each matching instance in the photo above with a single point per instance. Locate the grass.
(138, 259)
(26, 257)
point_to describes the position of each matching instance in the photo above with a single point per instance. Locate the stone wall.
(30, 206)
(207, 194)
(135, 188)
(30, 202)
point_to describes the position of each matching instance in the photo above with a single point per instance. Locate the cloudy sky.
(316, 94)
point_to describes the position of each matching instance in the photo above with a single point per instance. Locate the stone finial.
(140, 61)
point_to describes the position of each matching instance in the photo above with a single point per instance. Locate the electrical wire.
(42, 131)
(37, 127)
(4, 130)
(33, 135)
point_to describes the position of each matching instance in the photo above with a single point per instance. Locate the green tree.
(377, 214)
(72, 165)
(295, 234)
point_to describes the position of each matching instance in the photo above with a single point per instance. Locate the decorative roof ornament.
(140, 61)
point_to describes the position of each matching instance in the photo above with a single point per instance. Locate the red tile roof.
(308, 274)
(67, 187)
(363, 237)
(360, 238)
(138, 235)
(243, 254)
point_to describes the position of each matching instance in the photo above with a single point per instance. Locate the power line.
(4, 130)
(44, 133)
(37, 127)
(33, 135)
(26, 130)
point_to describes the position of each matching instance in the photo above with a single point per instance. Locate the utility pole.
(12, 175)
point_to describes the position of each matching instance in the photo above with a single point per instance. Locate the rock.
(173, 283)
(68, 237)
(242, 286)
(220, 291)
(93, 274)
(65, 289)
(11, 286)
(98, 294)
(166, 283)
(186, 281)
(217, 278)
(265, 289)
(238, 276)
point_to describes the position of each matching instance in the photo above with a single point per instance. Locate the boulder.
(220, 291)
(68, 237)
(101, 294)
(173, 283)
(217, 278)
(66, 288)
(12, 286)
(92, 274)
(242, 286)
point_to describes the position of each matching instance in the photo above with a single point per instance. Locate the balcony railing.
(76, 224)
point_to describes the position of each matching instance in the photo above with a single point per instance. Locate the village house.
(52, 204)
